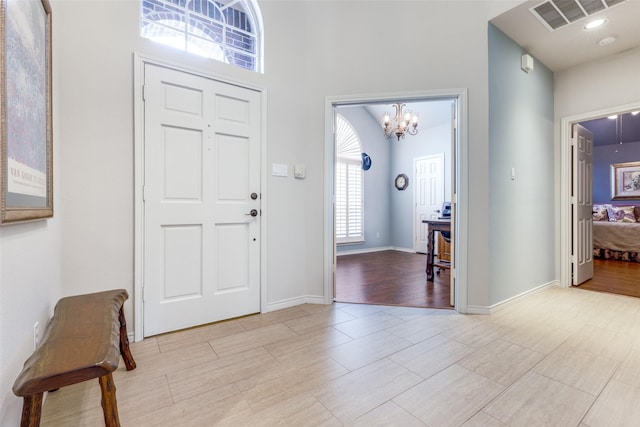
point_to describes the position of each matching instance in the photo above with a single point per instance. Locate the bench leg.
(31, 411)
(109, 403)
(124, 343)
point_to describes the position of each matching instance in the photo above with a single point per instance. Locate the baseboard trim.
(364, 251)
(409, 250)
(292, 302)
(478, 309)
(370, 250)
(471, 309)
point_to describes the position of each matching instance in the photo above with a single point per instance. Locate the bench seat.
(83, 340)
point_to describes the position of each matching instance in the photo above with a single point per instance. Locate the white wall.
(29, 287)
(30, 257)
(597, 85)
(358, 53)
(96, 41)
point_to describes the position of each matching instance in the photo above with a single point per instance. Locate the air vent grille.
(556, 14)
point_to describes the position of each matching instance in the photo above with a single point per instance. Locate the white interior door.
(201, 183)
(429, 195)
(582, 201)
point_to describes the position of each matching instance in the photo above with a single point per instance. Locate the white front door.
(429, 195)
(201, 185)
(582, 259)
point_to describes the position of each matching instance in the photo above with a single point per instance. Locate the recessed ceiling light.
(615, 116)
(635, 113)
(607, 41)
(595, 24)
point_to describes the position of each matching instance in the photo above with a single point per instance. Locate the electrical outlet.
(36, 335)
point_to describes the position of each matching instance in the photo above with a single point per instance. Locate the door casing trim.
(565, 182)
(461, 179)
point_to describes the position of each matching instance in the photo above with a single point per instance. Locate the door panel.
(182, 164)
(232, 257)
(202, 162)
(182, 247)
(583, 204)
(232, 168)
(429, 195)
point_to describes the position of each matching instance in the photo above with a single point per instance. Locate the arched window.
(349, 219)
(226, 30)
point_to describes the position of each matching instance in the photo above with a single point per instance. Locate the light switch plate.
(278, 169)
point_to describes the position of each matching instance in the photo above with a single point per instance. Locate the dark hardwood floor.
(398, 278)
(616, 277)
(390, 278)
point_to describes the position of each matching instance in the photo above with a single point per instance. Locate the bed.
(616, 232)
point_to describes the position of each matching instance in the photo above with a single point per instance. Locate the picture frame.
(26, 146)
(625, 181)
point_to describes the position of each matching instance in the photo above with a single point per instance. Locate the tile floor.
(559, 357)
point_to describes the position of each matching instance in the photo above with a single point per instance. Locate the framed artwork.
(625, 181)
(26, 175)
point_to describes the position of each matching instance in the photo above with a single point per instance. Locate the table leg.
(430, 254)
(109, 403)
(129, 362)
(31, 410)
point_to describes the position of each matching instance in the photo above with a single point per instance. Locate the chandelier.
(402, 123)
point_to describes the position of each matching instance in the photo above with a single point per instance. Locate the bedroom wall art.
(625, 181)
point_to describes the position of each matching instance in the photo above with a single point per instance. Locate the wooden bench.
(83, 340)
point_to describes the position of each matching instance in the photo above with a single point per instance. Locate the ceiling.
(571, 44)
(623, 129)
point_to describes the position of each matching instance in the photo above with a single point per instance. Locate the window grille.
(224, 30)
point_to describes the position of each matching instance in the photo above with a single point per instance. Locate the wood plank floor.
(398, 278)
(390, 278)
(612, 276)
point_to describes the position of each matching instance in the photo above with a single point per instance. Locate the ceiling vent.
(555, 14)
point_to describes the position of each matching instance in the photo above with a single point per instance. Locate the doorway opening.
(377, 242)
(611, 147)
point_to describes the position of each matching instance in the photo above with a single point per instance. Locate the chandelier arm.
(399, 124)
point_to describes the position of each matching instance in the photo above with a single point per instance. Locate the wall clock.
(402, 181)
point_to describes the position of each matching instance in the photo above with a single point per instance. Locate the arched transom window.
(349, 215)
(225, 30)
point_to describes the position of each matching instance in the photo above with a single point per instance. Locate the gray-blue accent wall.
(521, 210)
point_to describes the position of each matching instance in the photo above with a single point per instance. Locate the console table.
(434, 225)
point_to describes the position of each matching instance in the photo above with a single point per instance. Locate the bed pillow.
(622, 214)
(600, 213)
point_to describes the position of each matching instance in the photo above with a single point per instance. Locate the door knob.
(254, 196)
(254, 212)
